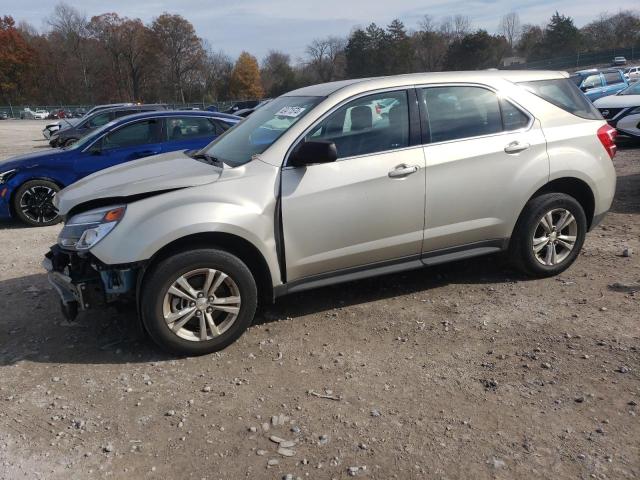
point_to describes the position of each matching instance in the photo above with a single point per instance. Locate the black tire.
(70, 142)
(32, 203)
(521, 251)
(162, 276)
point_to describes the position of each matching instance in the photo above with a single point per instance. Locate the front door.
(368, 206)
(130, 142)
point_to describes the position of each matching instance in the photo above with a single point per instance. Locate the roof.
(173, 113)
(326, 89)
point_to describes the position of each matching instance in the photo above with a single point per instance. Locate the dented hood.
(159, 173)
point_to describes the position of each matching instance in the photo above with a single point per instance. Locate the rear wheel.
(198, 302)
(549, 235)
(33, 203)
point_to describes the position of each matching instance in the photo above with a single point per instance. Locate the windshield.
(90, 137)
(634, 89)
(260, 130)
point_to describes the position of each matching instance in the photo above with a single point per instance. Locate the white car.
(632, 74)
(40, 114)
(622, 111)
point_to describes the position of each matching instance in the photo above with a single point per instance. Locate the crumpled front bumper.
(82, 282)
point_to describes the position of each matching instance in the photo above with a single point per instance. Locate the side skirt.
(413, 262)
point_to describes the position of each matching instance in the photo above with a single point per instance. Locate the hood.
(159, 173)
(32, 160)
(618, 101)
(65, 122)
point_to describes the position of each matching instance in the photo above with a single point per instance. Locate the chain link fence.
(582, 60)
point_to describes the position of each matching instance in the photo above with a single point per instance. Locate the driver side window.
(367, 125)
(139, 133)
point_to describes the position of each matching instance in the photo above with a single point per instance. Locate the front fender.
(244, 208)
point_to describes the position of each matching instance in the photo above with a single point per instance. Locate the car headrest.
(361, 118)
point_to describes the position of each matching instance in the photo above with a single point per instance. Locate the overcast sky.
(288, 25)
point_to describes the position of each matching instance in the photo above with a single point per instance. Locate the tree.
(245, 78)
(277, 75)
(621, 30)
(531, 37)
(456, 27)
(71, 27)
(217, 69)
(180, 49)
(510, 28)
(475, 51)
(398, 49)
(561, 37)
(16, 58)
(326, 58)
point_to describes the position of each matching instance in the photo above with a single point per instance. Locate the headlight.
(634, 111)
(84, 230)
(5, 176)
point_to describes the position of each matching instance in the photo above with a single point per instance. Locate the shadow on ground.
(33, 328)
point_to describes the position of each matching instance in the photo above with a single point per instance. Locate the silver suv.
(333, 183)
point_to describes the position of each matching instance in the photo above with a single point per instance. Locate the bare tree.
(456, 27)
(72, 26)
(510, 28)
(326, 58)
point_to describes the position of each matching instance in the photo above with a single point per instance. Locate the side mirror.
(310, 152)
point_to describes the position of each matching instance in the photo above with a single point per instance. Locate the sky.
(260, 25)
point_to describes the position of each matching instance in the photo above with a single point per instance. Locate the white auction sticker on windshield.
(290, 112)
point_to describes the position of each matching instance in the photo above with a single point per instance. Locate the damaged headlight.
(86, 229)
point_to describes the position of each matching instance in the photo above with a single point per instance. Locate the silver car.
(315, 189)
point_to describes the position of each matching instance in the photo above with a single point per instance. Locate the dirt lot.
(462, 371)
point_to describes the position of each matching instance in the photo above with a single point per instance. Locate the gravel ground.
(462, 371)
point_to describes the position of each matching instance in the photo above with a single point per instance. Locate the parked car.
(618, 61)
(242, 106)
(69, 135)
(599, 83)
(28, 183)
(632, 74)
(73, 116)
(29, 114)
(4, 116)
(245, 112)
(292, 199)
(622, 111)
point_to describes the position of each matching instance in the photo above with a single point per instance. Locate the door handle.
(403, 170)
(516, 147)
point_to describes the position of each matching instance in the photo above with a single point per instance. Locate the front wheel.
(198, 302)
(33, 203)
(549, 235)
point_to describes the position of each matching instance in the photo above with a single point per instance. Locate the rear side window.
(512, 117)
(565, 95)
(99, 120)
(612, 78)
(461, 112)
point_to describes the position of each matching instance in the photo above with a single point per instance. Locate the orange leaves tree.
(245, 78)
(16, 59)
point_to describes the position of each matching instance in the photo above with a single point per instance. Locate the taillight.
(607, 136)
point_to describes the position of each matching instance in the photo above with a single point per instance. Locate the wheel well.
(233, 244)
(575, 188)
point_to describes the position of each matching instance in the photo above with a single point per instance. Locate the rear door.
(483, 154)
(131, 141)
(189, 132)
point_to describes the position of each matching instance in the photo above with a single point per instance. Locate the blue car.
(600, 83)
(29, 182)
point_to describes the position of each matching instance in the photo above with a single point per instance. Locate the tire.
(70, 142)
(33, 203)
(158, 300)
(531, 229)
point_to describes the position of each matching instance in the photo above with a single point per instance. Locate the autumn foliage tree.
(16, 59)
(245, 78)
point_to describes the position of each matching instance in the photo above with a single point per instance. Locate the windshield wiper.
(207, 158)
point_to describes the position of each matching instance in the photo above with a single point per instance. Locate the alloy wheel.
(201, 304)
(555, 237)
(36, 204)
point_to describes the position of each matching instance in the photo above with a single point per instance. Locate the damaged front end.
(84, 283)
(81, 280)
